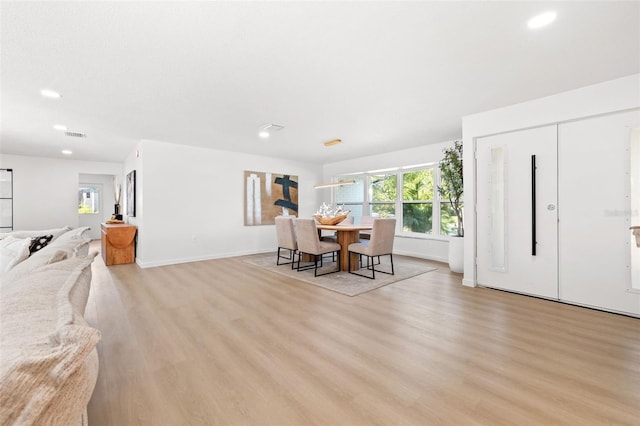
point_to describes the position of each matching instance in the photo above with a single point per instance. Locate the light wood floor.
(226, 343)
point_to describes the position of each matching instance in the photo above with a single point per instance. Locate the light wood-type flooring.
(223, 342)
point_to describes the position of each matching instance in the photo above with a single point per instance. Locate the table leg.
(344, 239)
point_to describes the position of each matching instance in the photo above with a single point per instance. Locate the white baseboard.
(469, 283)
(421, 256)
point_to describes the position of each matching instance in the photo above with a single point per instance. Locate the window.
(382, 193)
(89, 199)
(351, 196)
(417, 201)
(409, 195)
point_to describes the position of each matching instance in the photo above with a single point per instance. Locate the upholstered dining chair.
(309, 243)
(286, 234)
(366, 221)
(380, 244)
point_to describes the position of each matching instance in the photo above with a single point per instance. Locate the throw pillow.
(38, 243)
(13, 251)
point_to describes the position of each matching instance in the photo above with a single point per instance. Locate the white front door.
(517, 216)
(596, 245)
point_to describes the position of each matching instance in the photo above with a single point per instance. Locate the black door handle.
(533, 205)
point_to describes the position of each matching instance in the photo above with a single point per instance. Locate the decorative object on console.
(267, 195)
(117, 193)
(131, 194)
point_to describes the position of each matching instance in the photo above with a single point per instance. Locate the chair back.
(286, 232)
(366, 220)
(307, 236)
(382, 236)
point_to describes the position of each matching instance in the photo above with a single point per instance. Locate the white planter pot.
(456, 254)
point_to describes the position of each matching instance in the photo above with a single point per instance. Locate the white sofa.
(48, 360)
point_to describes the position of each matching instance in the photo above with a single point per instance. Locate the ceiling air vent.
(76, 134)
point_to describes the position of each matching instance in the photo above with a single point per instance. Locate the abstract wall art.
(131, 194)
(268, 195)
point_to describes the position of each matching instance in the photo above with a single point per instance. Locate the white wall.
(193, 201)
(433, 248)
(46, 189)
(134, 162)
(616, 95)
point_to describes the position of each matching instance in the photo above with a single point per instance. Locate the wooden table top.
(349, 227)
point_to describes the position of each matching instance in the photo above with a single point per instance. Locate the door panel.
(505, 212)
(594, 189)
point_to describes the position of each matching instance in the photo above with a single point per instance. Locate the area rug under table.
(344, 282)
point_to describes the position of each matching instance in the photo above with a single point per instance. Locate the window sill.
(426, 237)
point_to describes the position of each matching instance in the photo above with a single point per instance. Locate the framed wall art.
(268, 195)
(131, 194)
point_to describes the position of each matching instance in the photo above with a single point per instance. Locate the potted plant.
(452, 189)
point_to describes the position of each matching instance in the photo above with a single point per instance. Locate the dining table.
(345, 235)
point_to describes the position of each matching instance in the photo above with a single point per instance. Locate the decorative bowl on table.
(330, 220)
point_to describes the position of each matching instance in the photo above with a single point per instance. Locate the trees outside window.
(410, 195)
(417, 201)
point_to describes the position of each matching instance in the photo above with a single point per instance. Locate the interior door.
(595, 158)
(517, 222)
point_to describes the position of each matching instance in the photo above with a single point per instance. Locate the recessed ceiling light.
(266, 129)
(50, 94)
(66, 152)
(60, 127)
(542, 19)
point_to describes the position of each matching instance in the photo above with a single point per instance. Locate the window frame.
(436, 233)
(97, 187)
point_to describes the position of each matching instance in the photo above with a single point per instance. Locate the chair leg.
(291, 257)
(371, 265)
(315, 272)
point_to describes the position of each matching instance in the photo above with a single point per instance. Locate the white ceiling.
(381, 76)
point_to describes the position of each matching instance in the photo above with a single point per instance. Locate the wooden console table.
(118, 243)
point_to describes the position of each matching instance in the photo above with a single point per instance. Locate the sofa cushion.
(13, 251)
(74, 234)
(56, 232)
(49, 366)
(49, 297)
(46, 383)
(55, 251)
